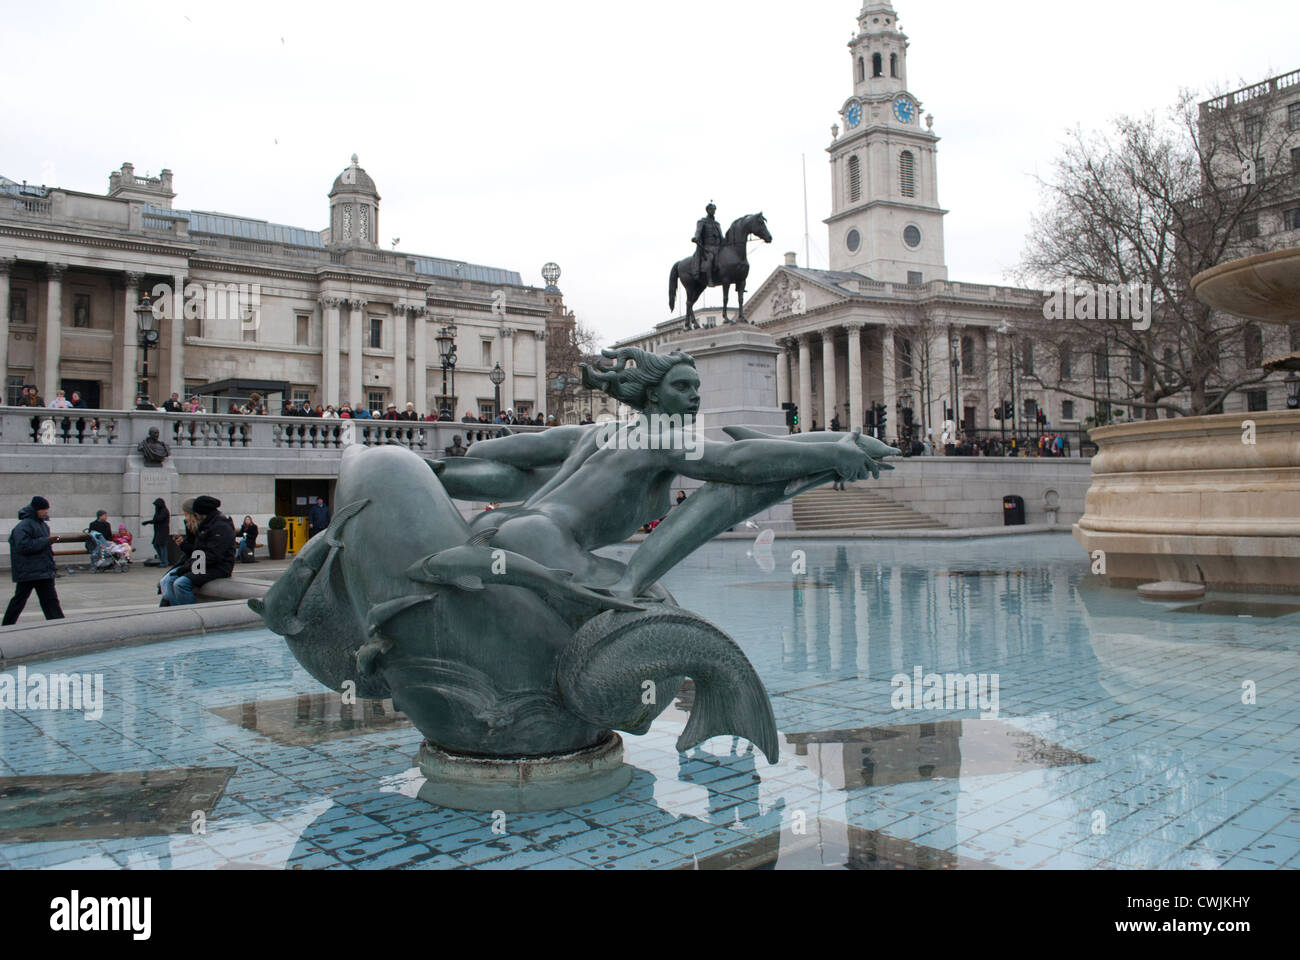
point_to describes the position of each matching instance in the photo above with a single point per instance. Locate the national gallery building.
(326, 316)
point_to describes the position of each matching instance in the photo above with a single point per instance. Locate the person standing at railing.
(345, 412)
(173, 404)
(31, 558)
(360, 413)
(329, 413)
(60, 402)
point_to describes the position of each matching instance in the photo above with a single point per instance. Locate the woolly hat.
(205, 505)
(40, 503)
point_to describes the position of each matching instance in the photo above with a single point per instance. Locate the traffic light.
(791, 414)
(882, 417)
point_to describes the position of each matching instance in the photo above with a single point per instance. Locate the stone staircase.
(856, 509)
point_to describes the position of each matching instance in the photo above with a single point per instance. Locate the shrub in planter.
(277, 538)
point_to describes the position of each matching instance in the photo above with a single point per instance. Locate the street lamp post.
(147, 338)
(498, 377)
(1006, 331)
(446, 340)
(1292, 392)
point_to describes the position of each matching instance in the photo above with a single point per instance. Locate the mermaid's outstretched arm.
(469, 478)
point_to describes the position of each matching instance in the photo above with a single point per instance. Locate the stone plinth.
(737, 366)
(526, 783)
(1192, 500)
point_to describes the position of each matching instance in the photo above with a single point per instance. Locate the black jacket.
(215, 538)
(30, 554)
(161, 523)
(318, 517)
(249, 530)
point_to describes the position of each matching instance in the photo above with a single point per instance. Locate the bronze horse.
(732, 267)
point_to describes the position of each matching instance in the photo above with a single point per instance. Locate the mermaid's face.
(679, 392)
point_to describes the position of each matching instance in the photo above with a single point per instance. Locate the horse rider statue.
(708, 241)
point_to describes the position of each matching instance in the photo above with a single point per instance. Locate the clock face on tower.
(904, 109)
(853, 116)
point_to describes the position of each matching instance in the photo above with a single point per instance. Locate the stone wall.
(968, 491)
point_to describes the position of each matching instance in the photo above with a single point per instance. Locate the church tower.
(886, 221)
(354, 209)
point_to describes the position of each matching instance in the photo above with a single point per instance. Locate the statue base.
(522, 784)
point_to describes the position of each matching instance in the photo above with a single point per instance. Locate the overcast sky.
(592, 133)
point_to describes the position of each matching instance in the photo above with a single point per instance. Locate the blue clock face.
(904, 110)
(854, 115)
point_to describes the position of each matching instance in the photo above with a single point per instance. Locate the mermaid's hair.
(632, 385)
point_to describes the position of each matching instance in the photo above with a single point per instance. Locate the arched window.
(855, 180)
(893, 65)
(877, 65)
(862, 70)
(907, 173)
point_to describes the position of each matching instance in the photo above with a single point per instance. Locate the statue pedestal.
(522, 784)
(737, 366)
(142, 483)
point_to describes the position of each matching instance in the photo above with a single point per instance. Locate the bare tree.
(1154, 200)
(567, 345)
(918, 356)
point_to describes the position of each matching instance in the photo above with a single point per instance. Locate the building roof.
(354, 180)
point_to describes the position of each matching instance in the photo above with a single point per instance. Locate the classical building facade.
(329, 316)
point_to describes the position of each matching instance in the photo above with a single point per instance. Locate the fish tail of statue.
(622, 670)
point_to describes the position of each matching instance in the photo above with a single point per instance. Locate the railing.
(1254, 91)
(32, 206)
(123, 429)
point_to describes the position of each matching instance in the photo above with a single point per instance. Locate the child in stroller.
(105, 556)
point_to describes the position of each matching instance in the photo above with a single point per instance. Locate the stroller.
(103, 557)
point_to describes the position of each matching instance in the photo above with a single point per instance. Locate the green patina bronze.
(509, 637)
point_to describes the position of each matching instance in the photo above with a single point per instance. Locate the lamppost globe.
(1292, 392)
(498, 377)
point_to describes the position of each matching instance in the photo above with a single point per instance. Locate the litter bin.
(297, 527)
(1013, 511)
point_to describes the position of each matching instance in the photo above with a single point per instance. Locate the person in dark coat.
(31, 558)
(247, 541)
(161, 523)
(209, 551)
(318, 518)
(101, 525)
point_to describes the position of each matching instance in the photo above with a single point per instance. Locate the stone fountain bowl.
(1263, 287)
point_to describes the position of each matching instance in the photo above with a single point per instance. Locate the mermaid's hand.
(851, 461)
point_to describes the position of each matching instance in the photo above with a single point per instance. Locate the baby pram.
(103, 556)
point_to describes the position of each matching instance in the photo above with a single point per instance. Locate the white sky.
(510, 133)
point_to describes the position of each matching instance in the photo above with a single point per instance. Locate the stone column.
(829, 392)
(331, 350)
(508, 366)
(541, 404)
(855, 417)
(6, 265)
(420, 386)
(126, 351)
(805, 385)
(889, 379)
(47, 359)
(176, 353)
(355, 310)
(783, 373)
(401, 383)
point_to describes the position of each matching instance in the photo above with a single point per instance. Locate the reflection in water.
(946, 750)
(313, 717)
(838, 847)
(98, 806)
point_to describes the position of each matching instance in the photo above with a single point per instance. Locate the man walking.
(318, 518)
(209, 549)
(31, 558)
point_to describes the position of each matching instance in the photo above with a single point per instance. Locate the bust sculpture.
(153, 449)
(508, 639)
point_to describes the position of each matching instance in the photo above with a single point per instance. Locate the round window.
(912, 237)
(853, 241)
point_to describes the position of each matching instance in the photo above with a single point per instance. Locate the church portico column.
(540, 335)
(828, 377)
(176, 342)
(889, 379)
(331, 349)
(401, 384)
(855, 416)
(6, 265)
(508, 366)
(48, 359)
(805, 384)
(783, 372)
(420, 386)
(356, 388)
(126, 350)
